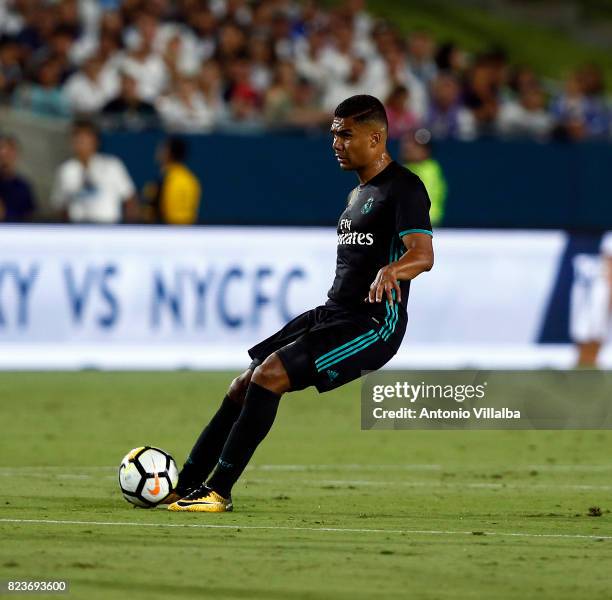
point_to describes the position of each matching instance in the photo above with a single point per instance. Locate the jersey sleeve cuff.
(407, 231)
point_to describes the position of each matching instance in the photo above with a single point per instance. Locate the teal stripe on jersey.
(349, 352)
(407, 231)
(344, 346)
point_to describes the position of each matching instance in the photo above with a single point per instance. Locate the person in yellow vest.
(175, 198)
(416, 155)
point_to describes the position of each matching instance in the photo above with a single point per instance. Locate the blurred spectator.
(180, 57)
(145, 65)
(203, 25)
(482, 95)
(127, 110)
(243, 100)
(362, 22)
(450, 58)
(311, 58)
(280, 36)
(592, 82)
(231, 42)
(580, 114)
(522, 77)
(175, 200)
(57, 49)
(446, 115)
(340, 88)
(400, 117)
(421, 50)
(17, 201)
(396, 71)
(261, 55)
(338, 58)
(416, 153)
(109, 41)
(36, 27)
(210, 82)
(278, 101)
(591, 303)
(186, 109)
(500, 72)
(292, 102)
(10, 69)
(526, 116)
(44, 97)
(93, 187)
(10, 21)
(306, 112)
(89, 89)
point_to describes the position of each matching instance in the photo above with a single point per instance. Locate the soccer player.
(384, 241)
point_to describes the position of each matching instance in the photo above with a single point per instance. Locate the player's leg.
(268, 383)
(332, 353)
(207, 448)
(205, 454)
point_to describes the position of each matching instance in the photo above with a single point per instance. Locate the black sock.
(205, 452)
(250, 429)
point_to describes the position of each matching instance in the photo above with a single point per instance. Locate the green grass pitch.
(325, 510)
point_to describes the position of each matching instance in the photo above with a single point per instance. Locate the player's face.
(355, 144)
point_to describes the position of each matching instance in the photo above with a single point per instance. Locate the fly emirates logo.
(353, 237)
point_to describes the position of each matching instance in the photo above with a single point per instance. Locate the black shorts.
(331, 345)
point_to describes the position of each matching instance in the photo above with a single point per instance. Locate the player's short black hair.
(177, 148)
(362, 108)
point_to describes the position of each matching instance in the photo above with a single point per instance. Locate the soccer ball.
(147, 475)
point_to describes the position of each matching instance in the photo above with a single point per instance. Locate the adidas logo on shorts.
(332, 374)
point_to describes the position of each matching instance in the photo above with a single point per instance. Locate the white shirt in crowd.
(150, 75)
(94, 193)
(515, 119)
(87, 95)
(198, 116)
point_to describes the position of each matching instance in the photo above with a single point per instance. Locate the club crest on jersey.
(367, 207)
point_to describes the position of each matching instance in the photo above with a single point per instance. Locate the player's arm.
(419, 257)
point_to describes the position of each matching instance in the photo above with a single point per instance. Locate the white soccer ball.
(147, 475)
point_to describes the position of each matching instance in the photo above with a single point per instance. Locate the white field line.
(311, 529)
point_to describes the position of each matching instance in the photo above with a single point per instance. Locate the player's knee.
(238, 387)
(271, 374)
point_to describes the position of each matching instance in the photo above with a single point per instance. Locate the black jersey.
(390, 205)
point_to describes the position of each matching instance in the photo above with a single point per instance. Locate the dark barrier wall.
(286, 179)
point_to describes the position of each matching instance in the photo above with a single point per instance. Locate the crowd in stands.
(251, 65)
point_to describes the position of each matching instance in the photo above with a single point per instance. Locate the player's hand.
(383, 285)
